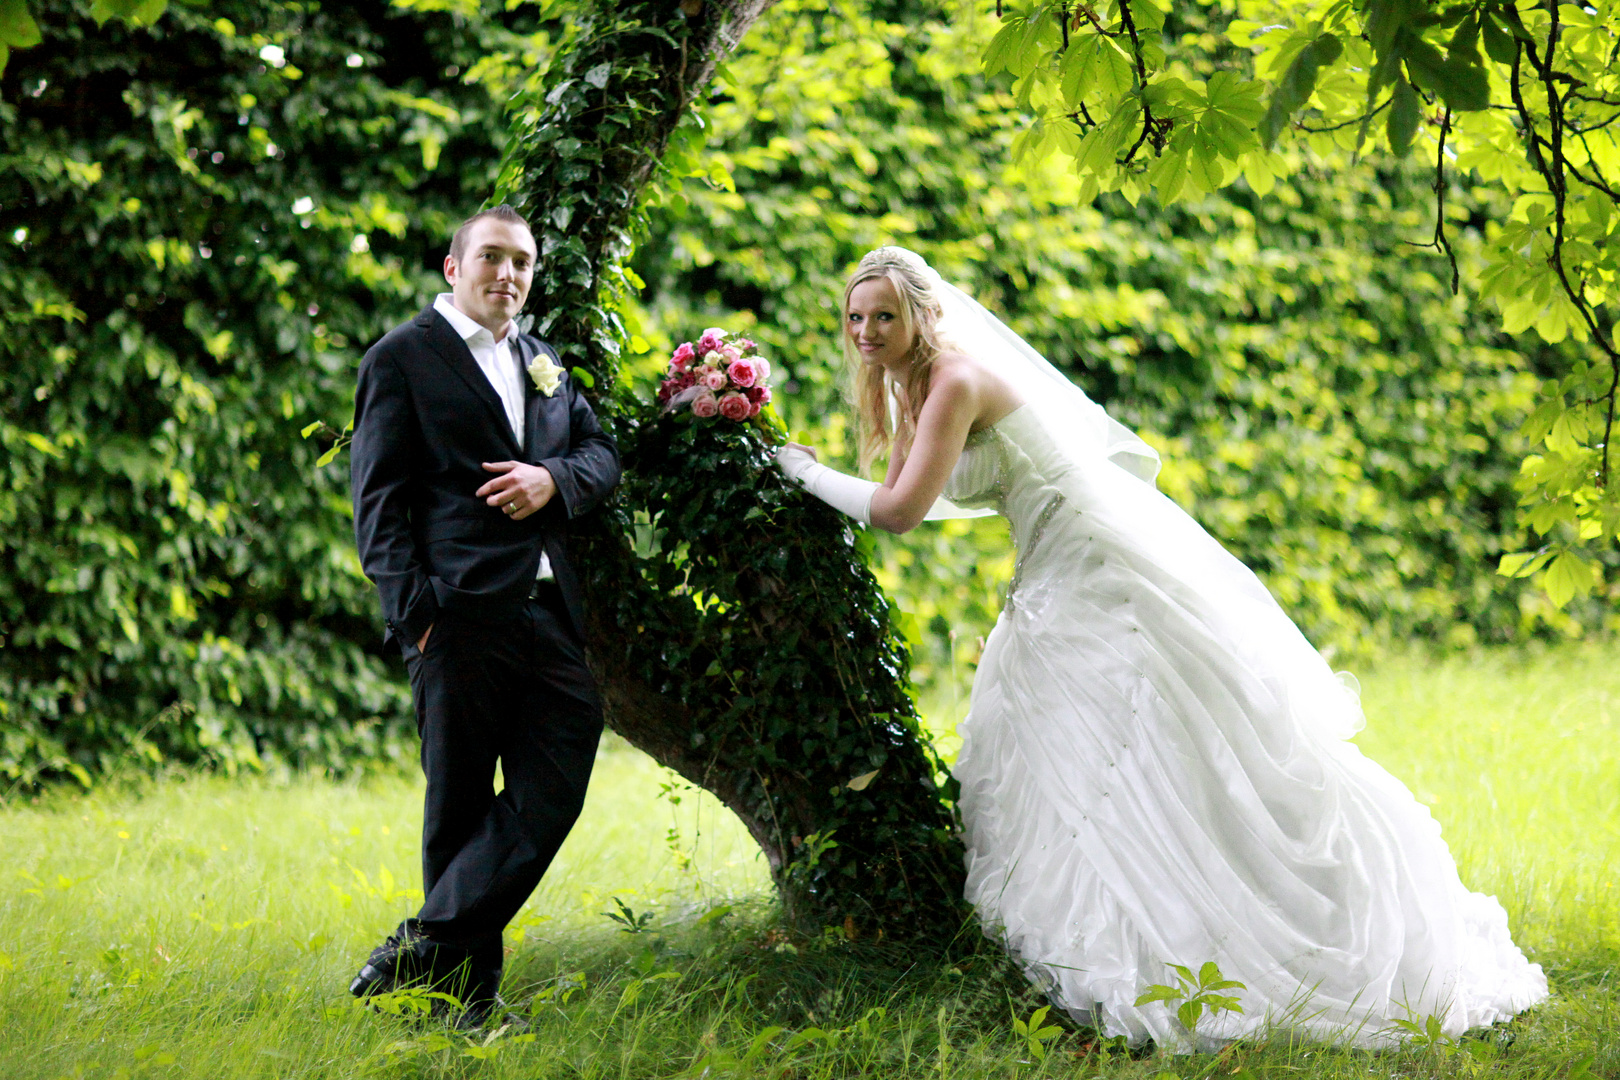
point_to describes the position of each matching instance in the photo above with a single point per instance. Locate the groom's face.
(491, 279)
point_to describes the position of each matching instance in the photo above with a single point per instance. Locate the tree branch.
(1083, 117)
(1090, 15)
(1553, 173)
(1363, 118)
(1440, 243)
(1597, 180)
(1150, 126)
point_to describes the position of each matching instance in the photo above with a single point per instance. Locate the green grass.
(207, 926)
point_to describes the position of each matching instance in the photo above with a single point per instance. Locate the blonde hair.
(872, 386)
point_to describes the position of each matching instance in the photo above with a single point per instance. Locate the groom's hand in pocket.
(519, 490)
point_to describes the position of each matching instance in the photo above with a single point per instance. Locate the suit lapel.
(531, 397)
(453, 351)
(536, 406)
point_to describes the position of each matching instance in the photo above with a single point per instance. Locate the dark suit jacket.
(425, 419)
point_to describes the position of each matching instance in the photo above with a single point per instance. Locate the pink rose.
(742, 373)
(730, 352)
(705, 405)
(753, 409)
(762, 368)
(746, 344)
(758, 395)
(683, 357)
(734, 406)
(713, 379)
(710, 341)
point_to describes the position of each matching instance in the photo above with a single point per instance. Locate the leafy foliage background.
(198, 242)
(1324, 404)
(205, 223)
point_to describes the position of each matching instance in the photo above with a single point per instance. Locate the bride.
(1155, 768)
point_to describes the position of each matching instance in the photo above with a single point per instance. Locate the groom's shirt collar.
(495, 358)
(463, 324)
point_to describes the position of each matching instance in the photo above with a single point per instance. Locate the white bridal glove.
(847, 494)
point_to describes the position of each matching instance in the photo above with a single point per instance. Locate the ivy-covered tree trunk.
(736, 631)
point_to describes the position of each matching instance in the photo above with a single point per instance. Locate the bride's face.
(873, 323)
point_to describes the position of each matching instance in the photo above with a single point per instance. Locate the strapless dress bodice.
(1004, 467)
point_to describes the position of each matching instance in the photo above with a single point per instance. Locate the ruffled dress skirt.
(1156, 769)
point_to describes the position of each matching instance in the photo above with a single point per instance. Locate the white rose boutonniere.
(546, 375)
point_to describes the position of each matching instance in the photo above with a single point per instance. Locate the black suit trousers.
(515, 690)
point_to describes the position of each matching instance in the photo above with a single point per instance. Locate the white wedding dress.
(1156, 769)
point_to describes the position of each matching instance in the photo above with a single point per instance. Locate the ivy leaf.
(720, 176)
(17, 27)
(863, 781)
(42, 444)
(136, 12)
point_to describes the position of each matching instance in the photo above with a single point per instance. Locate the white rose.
(546, 375)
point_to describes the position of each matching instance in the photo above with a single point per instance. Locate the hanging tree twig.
(1554, 168)
(1151, 127)
(1440, 243)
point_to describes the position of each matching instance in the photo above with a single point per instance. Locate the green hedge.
(1325, 405)
(205, 223)
(178, 579)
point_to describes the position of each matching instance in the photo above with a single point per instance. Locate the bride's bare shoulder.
(960, 367)
(994, 396)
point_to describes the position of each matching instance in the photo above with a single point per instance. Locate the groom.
(472, 452)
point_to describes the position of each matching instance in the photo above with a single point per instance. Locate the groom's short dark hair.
(503, 212)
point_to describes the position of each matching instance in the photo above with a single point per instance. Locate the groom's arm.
(382, 460)
(589, 468)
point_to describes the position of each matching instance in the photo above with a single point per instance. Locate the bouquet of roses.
(718, 376)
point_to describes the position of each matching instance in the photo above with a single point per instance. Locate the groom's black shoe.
(393, 964)
(476, 1000)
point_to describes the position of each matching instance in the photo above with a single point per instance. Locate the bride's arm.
(897, 461)
(917, 474)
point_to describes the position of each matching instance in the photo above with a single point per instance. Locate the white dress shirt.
(500, 366)
(494, 358)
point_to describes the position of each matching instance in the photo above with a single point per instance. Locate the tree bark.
(738, 637)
